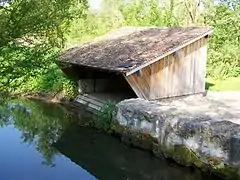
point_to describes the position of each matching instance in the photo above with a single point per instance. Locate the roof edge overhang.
(168, 53)
(117, 71)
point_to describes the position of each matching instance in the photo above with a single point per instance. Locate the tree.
(41, 20)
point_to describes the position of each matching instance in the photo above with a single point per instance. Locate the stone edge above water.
(190, 139)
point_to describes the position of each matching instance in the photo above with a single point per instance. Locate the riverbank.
(199, 131)
(54, 145)
(194, 131)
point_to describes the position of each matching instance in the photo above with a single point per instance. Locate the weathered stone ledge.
(191, 138)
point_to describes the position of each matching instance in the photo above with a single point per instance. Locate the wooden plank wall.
(141, 82)
(178, 74)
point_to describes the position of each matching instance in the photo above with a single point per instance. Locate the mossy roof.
(129, 49)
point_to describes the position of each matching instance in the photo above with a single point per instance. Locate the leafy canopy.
(36, 20)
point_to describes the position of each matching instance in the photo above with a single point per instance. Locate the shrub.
(33, 69)
(104, 118)
(224, 49)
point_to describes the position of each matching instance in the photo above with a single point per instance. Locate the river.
(43, 141)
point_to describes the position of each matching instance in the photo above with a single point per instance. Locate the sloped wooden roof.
(130, 48)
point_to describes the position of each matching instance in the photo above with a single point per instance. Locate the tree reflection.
(40, 123)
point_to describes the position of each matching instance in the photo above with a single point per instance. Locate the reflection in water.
(42, 141)
(107, 158)
(40, 124)
(28, 130)
(19, 161)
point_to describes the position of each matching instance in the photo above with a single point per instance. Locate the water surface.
(41, 141)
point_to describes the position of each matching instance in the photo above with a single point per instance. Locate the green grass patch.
(229, 84)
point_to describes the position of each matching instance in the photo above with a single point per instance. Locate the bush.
(224, 49)
(33, 70)
(104, 118)
(224, 62)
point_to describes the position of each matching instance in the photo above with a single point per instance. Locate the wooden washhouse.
(146, 62)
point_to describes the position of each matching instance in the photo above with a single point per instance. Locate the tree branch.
(189, 12)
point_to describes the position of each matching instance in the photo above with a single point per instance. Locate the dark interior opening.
(102, 84)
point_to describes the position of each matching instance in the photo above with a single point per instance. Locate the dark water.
(41, 141)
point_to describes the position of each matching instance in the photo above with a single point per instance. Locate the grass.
(229, 84)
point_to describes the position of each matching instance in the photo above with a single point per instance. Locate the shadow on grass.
(208, 85)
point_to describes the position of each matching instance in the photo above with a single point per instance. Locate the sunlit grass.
(229, 84)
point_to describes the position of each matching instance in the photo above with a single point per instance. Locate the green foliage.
(33, 69)
(147, 13)
(224, 61)
(30, 18)
(34, 21)
(105, 115)
(116, 14)
(224, 50)
(33, 32)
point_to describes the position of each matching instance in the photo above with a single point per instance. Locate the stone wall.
(181, 131)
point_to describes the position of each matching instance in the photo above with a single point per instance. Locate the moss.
(184, 156)
(146, 141)
(117, 128)
(179, 153)
(225, 171)
(157, 150)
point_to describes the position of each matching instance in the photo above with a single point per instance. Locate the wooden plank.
(185, 71)
(158, 82)
(202, 65)
(196, 77)
(161, 83)
(160, 79)
(171, 77)
(182, 73)
(141, 84)
(192, 68)
(176, 77)
(135, 87)
(182, 65)
(152, 76)
(188, 69)
(167, 76)
(200, 62)
(198, 68)
(205, 51)
(88, 104)
(91, 100)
